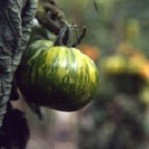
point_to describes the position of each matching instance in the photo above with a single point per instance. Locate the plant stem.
(15, 27)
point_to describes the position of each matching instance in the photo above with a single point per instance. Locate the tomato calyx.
(80, 38)
(66, 33)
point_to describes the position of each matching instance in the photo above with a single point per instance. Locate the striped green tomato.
(59, 77)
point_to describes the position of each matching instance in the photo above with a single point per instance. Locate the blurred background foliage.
(117, 40)
(120, 32)
(116, 22)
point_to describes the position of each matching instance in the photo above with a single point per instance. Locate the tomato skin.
(59, 77)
